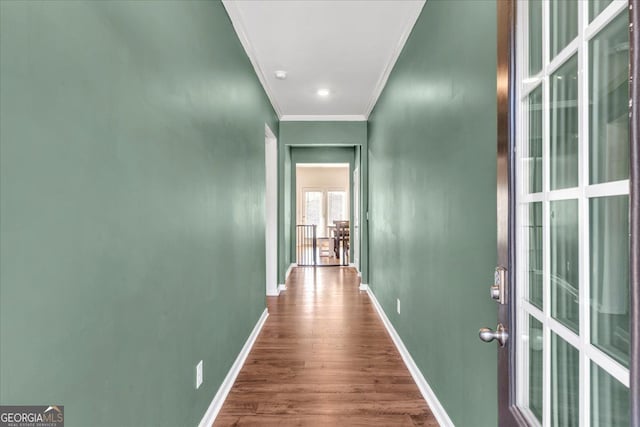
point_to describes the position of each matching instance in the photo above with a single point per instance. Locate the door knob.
(500, 335)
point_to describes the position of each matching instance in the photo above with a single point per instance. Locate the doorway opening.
(271, 211)
(322, 214)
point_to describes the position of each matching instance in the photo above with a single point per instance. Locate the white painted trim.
(352, 265)
(434, 404)
(528, 85)
(237, 21)
(271, 210)
(218, 400)
(323, 118)
(615, 188)
(605, 17)
(283, 286)
(382, 81)
(322, 165)
(532, 197)
(289, 270)
(562, 57)
(564, 194)
(364, 287)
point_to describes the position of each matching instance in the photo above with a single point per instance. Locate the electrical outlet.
(398, 305)
(199, 375)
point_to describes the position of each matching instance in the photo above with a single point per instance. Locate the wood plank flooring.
(324, 358)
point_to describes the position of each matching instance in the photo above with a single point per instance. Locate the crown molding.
(323, 118)
(237, 21)
(382, 81)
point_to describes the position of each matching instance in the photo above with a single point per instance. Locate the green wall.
(131, 207)
(432, 204)
(323, 133)
(317, 142)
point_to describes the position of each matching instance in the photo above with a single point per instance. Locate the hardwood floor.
(324, 358)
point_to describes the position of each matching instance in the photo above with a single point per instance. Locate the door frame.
(508, 412)
(356, 217)
(634, 206)
(271, 211)
(295, 193)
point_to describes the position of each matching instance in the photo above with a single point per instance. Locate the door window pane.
(535, 253)
(609, 400)
(563, 25)
(597, 6)
(564, 262)
(609, 264)
(608, 101)
(565, 383)
(535, 367)
(533, 162)
(535, 36)
(564, 126)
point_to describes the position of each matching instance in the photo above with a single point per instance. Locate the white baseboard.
(283, 286)
(432, 400)
(218, 400)
(356, 267)
(291, 267)
(363, 286)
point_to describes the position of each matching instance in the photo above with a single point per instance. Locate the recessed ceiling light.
(323, 92)
(281, 74)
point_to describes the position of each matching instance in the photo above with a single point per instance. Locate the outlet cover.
(398, 305)
(199, 375)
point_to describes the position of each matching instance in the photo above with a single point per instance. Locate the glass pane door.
(337, 206)
(314, 209)
(573, 212)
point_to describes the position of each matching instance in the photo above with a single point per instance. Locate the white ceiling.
(346, 46)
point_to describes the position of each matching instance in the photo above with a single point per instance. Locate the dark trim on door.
(508, 412)
(634, 205)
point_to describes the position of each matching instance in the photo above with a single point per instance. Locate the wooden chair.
(341, 240)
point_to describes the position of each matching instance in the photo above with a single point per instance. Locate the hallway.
(481, 156)
(324, 358)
